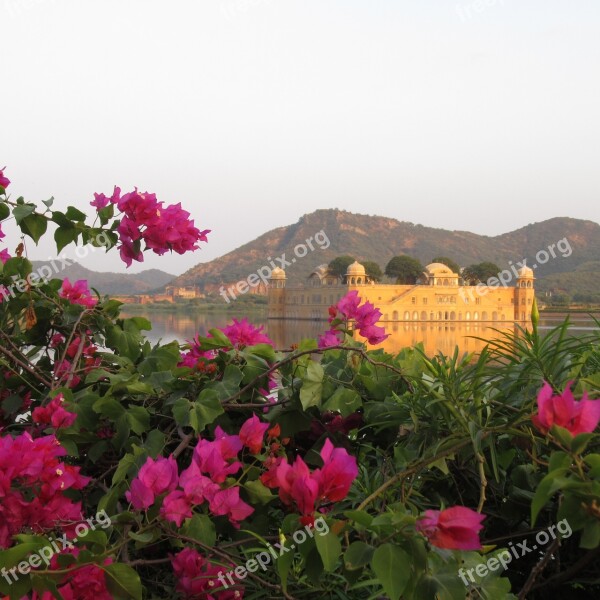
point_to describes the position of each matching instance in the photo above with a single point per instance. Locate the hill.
(379, 238)
(114, 283)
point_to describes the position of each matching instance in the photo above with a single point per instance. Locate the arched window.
(468, 316)
(453, 316)
(475, 316)
(423, 316)
(484, 316)
(446, 282)
(395, 315)
(359, 280)
(415, 316)
(406, 316)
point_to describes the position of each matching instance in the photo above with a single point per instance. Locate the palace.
(437, 296)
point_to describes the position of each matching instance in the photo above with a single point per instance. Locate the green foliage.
(373, 270)
(404, 269)
(339, 265)
(480, 272)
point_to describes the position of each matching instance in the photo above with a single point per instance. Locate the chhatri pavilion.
(438, 295)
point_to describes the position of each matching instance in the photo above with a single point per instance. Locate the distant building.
(437, 296)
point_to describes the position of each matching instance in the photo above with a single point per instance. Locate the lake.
(435, 336)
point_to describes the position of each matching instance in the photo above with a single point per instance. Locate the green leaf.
(22, 211)
(4, 211)
(34, 226)
(202, 529)
(312, 386)
(73, 214)
(64, 236)
(344, 401)
(258, 492)
(123, 581)
(205, 410)
(358, 555)
(181, 412)
(284, 562)
(392, 567)
(330, 550)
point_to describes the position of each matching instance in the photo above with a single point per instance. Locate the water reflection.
(435, 337)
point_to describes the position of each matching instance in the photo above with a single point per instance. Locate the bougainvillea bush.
(226, 468)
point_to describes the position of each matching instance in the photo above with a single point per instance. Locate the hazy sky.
(254, 112)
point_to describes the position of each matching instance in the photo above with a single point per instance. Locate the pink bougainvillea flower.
(329, 338)
(242, 333)
(101, 201)
(197, 578)
(4, 256)
(337, 474)
(455, 528)
(252, 434)
(53, 414)
(228, 502)
(160, 475)
(196, 486)
(176, 507)
(4, 181)
(365, 317)
(214, 458)
(2, 234)
(296, 486)
(563, 410)
(140, 496)
(77, 293)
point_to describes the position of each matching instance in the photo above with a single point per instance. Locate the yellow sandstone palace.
(437, 296)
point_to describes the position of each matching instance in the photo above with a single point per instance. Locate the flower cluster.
(88, 581)
(77, 293)
(365, 317)
(197, 578)
(563, 410)
(203, 481)
(162, 228)
(454, 528)
(33, 480)
(240, 334)
(53, 414)
(306, 490)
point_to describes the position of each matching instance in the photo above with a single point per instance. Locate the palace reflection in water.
(435, 336)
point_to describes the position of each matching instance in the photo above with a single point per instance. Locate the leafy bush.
(226, 469)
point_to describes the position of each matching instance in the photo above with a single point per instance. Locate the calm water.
(437, 336)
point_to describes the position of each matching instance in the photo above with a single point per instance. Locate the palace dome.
(438, 269)
(355, 269)
(526, 272)
(278, 273)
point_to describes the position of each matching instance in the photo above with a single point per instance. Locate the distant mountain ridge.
(379, 238)
(112, 283)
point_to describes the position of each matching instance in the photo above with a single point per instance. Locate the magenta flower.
(4, 181)
(160, 475)
(563, 410)
(252, 434)
(297, 486)
(213, 458)
(4, 255)
(337, 474)
(140, 496)
(329, 338)
(196, 486)
(101, 201)
(242, 333)
(53, 414)
(365, 318)
(176, 507)
(77, 293)
(228, 502)
(455, 528)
